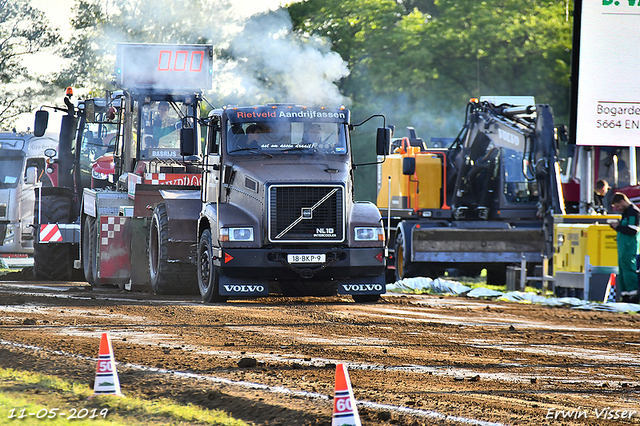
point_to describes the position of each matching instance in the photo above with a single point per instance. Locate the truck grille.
(306, 213)
(3, 210)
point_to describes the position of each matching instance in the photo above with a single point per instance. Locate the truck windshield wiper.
(256, 150)
(300, 148)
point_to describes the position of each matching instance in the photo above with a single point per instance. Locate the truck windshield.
(161, 129)
(285, 137)
(10, 169)
(98, 139)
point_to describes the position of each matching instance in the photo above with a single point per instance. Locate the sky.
(59, 14)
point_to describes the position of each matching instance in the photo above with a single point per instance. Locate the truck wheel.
(404, 268)
(53, 262)
(208, 273)
(365, 298)
(167, 278)
(89, 258)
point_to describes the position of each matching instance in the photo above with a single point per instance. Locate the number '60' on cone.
(345, 412)
(107, 382)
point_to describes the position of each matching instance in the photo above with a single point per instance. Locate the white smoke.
(272, 63)
(259, 58)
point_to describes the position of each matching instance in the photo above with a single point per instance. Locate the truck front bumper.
(352, 270)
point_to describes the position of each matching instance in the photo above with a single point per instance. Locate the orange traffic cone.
(610, 292)
(345, 412)
(107, 382)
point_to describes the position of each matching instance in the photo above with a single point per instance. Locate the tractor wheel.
(404, 267)
(167, 278)
(53, 261)
(208, 273)
(89, 250)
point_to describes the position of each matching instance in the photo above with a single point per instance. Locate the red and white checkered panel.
(173, 179)
(110, 228)
(115, 248)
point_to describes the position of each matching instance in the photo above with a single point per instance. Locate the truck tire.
(208, 273)
(404, 268)
(167, 278)
(89, 255)
(53, 262)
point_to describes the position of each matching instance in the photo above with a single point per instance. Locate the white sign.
(608, 111)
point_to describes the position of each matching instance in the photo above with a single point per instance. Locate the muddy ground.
(413, 360)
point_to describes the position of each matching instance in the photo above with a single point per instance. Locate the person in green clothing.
(628, 238)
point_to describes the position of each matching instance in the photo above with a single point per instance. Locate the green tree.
(419, 66)
(449, 51)
(23, 31)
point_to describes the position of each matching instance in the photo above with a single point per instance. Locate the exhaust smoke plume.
(271, 63)
(258, 57)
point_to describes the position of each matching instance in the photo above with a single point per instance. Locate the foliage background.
(415, 61)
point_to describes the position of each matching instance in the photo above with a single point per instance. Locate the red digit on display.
(181, 60)
(197, 56)
(164, 60)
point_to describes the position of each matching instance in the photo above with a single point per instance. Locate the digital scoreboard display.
(164, 66)
(608, 92)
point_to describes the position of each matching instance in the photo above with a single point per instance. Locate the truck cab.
(22, 166)
(279, 213)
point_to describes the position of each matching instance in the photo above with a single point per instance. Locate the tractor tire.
(208, 273)
(89, 250)
(53, 261)
(167, 278)
(404, 268)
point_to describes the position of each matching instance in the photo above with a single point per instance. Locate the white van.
(22, 171)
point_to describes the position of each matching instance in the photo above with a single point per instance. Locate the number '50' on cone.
(345, 412)
(107, 382)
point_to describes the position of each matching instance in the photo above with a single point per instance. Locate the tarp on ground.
(422, 285)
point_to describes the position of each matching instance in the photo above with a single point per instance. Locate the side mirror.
(408, 166)
(213, 135)
(42, 120)
(90, 111)
(32, 176)
(383, 139)
(187, 141)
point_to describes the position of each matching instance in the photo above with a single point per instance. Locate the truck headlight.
(369, 233)
(236, 234)
(99, 176)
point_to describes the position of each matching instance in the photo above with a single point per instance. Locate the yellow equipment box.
(585, 255)
(575, 241)
(423, 190)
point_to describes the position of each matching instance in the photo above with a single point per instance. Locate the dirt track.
(413, 360)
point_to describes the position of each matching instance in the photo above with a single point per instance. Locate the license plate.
(306, 258)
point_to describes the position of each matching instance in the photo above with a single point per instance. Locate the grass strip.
(28, 398)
